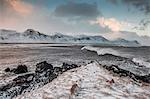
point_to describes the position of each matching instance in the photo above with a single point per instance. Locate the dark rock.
(122, 72)
(145, 78)
(43, 74)
(58, 70)
(27, 78)
(20, 69)
(43, 66)
(5, 87)
(66, 66)
(7, 69)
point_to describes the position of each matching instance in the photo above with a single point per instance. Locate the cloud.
(142, 5)
(144, 40)
(111, 23)
(20, 7)
(15, 7)
(79, 10)
(11, 11)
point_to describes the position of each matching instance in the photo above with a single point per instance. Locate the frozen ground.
(94, 83)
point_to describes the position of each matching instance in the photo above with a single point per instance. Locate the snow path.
(92, 81)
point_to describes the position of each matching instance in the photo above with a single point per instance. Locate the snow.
(92, 80)
(32, 36)
(141, 61)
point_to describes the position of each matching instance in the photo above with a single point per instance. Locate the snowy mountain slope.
(32, 36)
(29, 36)
(93, 82)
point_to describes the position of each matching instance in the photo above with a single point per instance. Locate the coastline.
(88, 60)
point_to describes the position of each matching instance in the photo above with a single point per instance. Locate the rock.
(43, 66)
(7, 69)
(58, 70)
(43, 74)
(20, 69)
(145, 78)
(66, 66)
(27, 78)
(122, 72)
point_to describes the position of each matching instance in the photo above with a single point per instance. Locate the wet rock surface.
(43, 74)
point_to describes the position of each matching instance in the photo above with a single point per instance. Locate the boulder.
(66, 66)
(27, 78)
(7, 69)
(20, 69)
(43, 67)
(58, 70)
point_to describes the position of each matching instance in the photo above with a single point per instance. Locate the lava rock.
(27, 78)
(7, 69)
(21, 69)
(58, 70)
(66, 66)
(145, 78)
(43, 74)
(43, 66)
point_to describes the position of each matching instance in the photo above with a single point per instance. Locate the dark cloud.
(80, 10)
(141, 5)
(143, 25)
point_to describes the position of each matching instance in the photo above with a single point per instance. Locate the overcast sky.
(77, 16)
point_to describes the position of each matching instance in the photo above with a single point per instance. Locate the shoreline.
(44, 80)
(114, 66)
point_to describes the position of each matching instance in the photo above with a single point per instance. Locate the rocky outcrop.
(7, 69)
(66, 66)
(44, 73)
(19, 70)
(121, 72)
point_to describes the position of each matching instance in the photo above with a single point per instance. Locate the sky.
(75, 17)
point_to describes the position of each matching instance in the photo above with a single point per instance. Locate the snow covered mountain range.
(32, 36)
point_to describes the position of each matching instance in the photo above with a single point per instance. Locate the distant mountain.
(123, 42)
(29, 36)
(32, 36)
(143, 40)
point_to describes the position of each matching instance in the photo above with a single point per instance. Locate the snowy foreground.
(94, 82)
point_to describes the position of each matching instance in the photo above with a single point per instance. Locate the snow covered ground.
(94, 83)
